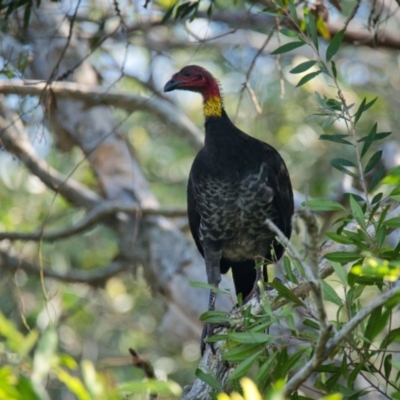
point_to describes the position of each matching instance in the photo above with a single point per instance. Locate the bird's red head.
(197, 79)
(194, 79)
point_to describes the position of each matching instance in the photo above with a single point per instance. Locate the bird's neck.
(212, 106)
(212, 101)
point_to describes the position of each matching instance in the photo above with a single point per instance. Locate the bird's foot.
(208, 330)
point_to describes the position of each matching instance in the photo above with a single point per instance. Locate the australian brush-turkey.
(236, 182)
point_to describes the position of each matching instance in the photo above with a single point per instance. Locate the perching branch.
(222, 370)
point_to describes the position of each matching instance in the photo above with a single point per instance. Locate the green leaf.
(340, 271)
(288, 270)
(338, 238)
(387, 365)
(214, 317)
(250, 337)
(368, 140)
(364, 106)
(285, 292)
(334, 45)
(372, 320)
(376, 178)
(240, 352)
(308, 77)
(311, 323)
(244, 366)
(288, 47)
(312, 30)
(330, 294)
(264, 370)
(208, 378)
(343, 256)
(302, 67)
(392, 222)
(288, 32)
(293, 12)
(339, 138)
(341, 163)
(334, 70)
(373, 162)
(323, 205)
(203, 285)
(390, 338)
(357, 212)
(167, 15)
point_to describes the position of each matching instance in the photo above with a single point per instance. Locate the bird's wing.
(193, 215)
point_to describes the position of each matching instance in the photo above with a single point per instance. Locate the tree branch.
(95, 96)
(94, 216)
(94, 277)
(18, 144)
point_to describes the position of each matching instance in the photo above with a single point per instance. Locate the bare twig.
(19, 145)
(95, 96)
(94, 277)
(94, 216)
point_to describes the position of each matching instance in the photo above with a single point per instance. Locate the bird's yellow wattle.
(213, 107)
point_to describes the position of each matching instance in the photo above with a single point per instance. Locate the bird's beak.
(171, 85)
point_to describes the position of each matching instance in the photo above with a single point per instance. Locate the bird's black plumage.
(236, 182)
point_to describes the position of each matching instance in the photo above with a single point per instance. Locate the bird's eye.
(187, 74)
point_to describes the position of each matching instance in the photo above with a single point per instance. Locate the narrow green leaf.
(285, 292)
(364, 106)
(334, 70)
(203, 285)
(336, 138)
(334, 45)
(250, 337)
(308, 77)
(343, 256)
(214, 317)
(341, 163)
(240, 352)
(312, 30)
(387, 365)
(330, 294)
(357, 212)
(292, 360)
(323, 205)
(392, 222)
(368, 140)
(244, 366)
(264, 370)
(373, 162)
(302, 67)
(288, 32)
(373, 318)
(208, 378)
(341, 272)
(293, 12)
(390, 338)
(338, 238)
(376, 178)
(287, 47)
(167, 15)
(311, 323)
(288, 270)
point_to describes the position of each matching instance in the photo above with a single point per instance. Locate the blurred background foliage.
(94, 326)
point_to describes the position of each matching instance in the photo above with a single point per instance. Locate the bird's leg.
(212, 260)
(259, 275)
